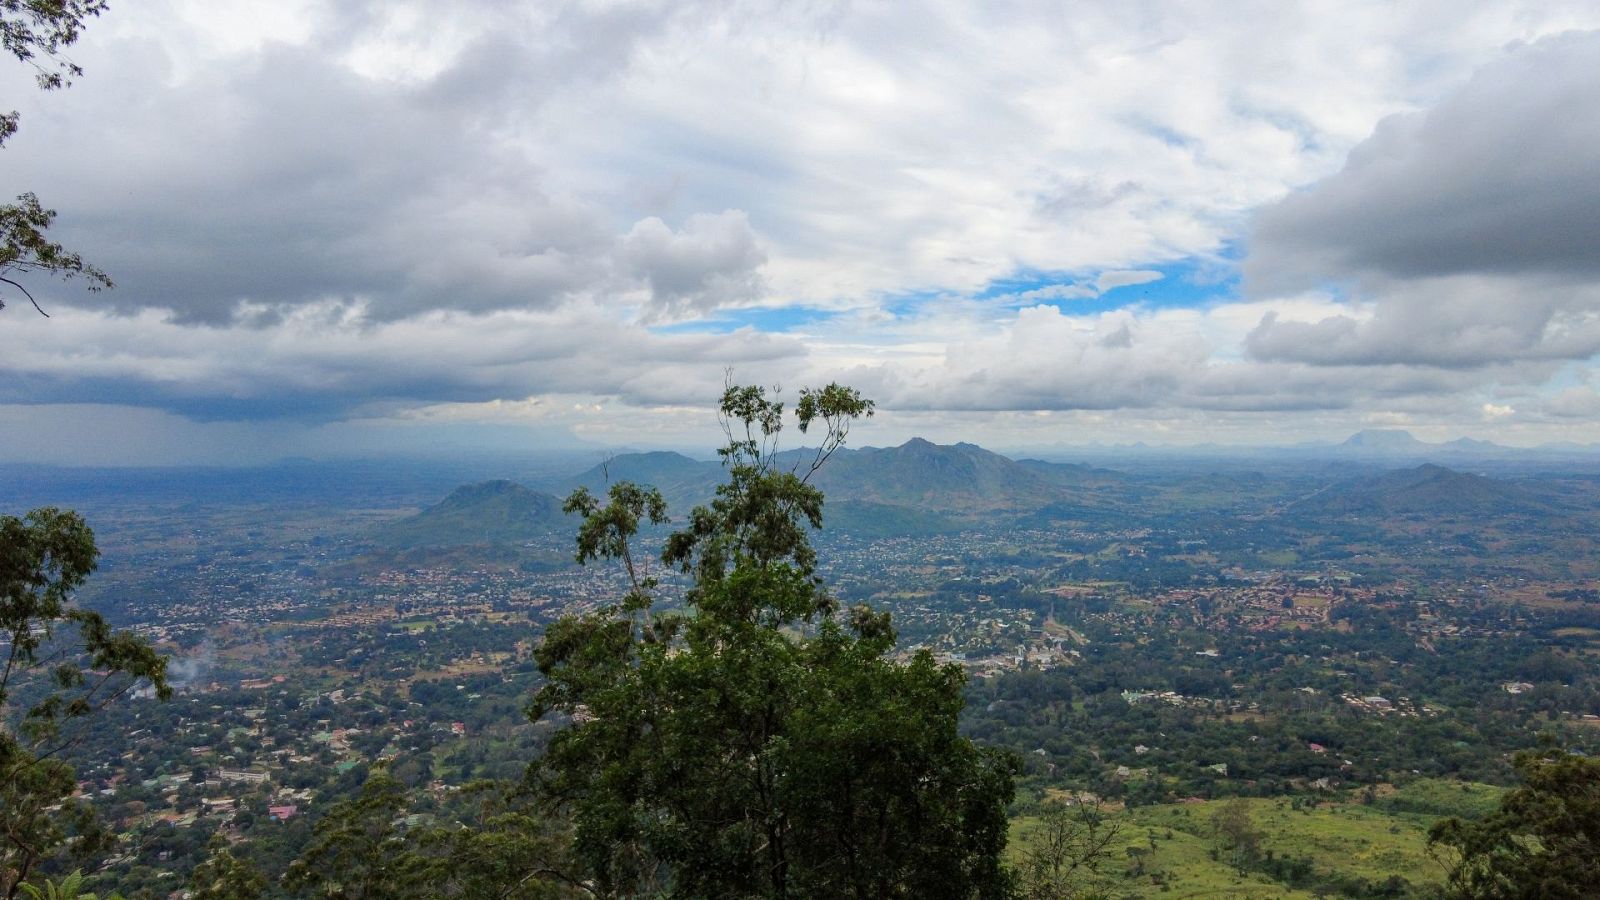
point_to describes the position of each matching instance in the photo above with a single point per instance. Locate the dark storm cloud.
(1464, 235)
(321, 362)
(1500, 178)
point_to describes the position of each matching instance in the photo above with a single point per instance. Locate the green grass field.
(1170, 850)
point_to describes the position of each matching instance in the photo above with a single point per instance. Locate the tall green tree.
(363, 849)
(38, 33)
(1236, 833)
(1542, 842)
(223, 876)
(358, 850)
(757, 741)
(61, 663)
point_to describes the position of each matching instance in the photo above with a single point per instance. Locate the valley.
(1328, 640)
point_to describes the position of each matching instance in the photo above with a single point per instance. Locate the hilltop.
(684, 481)
(958, 478)
(491, 512)
(1428, 489)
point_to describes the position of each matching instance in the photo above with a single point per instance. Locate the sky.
(367, 228)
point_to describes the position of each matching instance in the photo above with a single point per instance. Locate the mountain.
(880, 520)
(1429, 490)
(1378, 440)
(943, 479)
(1471, 445)
(893, 490)
(492, 512)
(683, 481)
(947, 479)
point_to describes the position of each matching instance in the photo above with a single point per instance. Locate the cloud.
(482, 156)
(1110, 281)
(324, 211)
(1575, 403)
(326, 361)
(1500, 178)
(1459, 322)
(284, 176)
(713, 261)
(1463, 235)
(1493, 411)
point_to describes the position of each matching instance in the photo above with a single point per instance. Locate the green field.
(1172, 850)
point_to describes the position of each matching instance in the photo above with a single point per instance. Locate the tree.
(68, 888)
(65, 662)
(758, 741)
(224, 876)
(37, 32)
(360, 850)
(356, 849)
(1542, 842)
(1236, 832)
(1066, 851)
(505, 850)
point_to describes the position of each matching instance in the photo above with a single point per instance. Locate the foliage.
(224, 876)
(367, 847)
(1542, 841)
(68, 888)
(506, 851)
(37, 32)
(760, 742)
(24, 248)
(70, 663)
(30, 29)
(355, 847)
(1236, 833)
(1067, 850)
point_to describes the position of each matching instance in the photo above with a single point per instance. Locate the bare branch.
(25, 294)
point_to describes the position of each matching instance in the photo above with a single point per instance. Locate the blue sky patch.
(770, 320)
(1194, 281)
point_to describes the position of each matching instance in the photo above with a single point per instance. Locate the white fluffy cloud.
(714, 261)
(319, 210)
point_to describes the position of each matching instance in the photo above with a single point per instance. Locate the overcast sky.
(350, 228)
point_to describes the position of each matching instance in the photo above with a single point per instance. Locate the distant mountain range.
(956, 479)
(920, 488)
(1371, 444)
(1392, 442)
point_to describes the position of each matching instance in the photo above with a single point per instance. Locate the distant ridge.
(916, 487)
(683, 481)
(1428, 489)
(945, 478)
(491, 512)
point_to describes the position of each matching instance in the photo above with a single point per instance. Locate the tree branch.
(25, 294)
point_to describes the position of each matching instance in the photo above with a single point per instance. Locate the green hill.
(493, 512)
(958, 478)
(683, 481)
(879, 520)
(914, 488)
(1428, 490)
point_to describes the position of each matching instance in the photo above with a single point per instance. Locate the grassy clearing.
(1167, 850)
(1436, 798)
